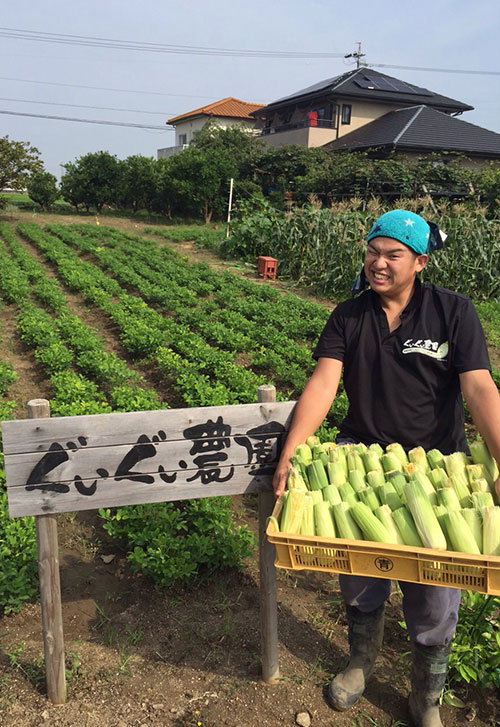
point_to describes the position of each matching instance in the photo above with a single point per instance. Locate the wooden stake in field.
(50, 588)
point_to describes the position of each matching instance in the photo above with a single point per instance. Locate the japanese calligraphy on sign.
(210, 456)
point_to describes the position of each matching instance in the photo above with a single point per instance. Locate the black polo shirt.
(403, 386)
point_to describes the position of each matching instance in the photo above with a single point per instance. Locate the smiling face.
(390, 267)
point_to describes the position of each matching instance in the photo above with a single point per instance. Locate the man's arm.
(481, 394)
(311, 409)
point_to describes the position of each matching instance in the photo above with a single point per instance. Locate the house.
(337, 106)
(227, 111)
(418, 130)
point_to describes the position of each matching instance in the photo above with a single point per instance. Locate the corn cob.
(391, 461)
(425, 520)
(369, 497)
(480, 453)
(406, 526)
(491, 530)
(397, 449)
(336, 473)
(331, 495)
(304, 452)
(293, 509)
(435, 459)
(474, 520)
(307, 524)
(384, 514)
(371, 460)
(418, 456)
(370, 525)
(345, 523)
(375, 478)
(356, 480)
(459, 533)
(448, 497)
(317, 475)
(295, 481)
(323, 521)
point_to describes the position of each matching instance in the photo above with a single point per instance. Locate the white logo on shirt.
(427, 347)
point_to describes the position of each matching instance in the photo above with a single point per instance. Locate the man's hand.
(280, 477)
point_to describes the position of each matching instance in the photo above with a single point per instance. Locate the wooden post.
(268, 599)
(50, 588)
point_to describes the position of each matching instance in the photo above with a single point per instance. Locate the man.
(409, 351)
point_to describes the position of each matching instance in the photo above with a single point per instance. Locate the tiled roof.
(365, 83)
(421, 128)
(225, 107)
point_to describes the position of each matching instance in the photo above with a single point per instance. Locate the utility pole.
(357, 55)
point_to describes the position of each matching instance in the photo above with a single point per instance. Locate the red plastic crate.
(266, 267)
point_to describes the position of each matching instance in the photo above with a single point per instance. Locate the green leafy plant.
(180, 541)
(18, 556)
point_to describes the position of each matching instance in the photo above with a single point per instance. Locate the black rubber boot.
(428, 676)
(366, 631)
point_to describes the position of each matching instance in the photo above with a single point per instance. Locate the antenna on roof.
(357, 55)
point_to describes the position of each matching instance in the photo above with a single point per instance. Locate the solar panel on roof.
(384, 83)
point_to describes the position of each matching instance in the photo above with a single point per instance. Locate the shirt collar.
(413, 303)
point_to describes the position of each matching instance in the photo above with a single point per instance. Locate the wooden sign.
(107, 460)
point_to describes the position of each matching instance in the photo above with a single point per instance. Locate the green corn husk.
(369, 497)
(307, 526)
(459, 484)
(455, 465)
(376, 447)
(491, 530)
(398, 481)
(388, 496)
(336, 473)
(331, 494)
(420, 476)
(439, 511)
(338, 455)
(293, 510)
(480, 485)
(474, 520)
(312, 440)
(323, 521)
(418, 457)
(344, 522)
(480, 453)
(359, 447)
(374, 478)
(482, 499)
(274, 521)
(348, 494)
(354, 462)
(384, 514)
(477, 471)
(439, 478)
(299, 463)
(448, 497)
(459, 533)
(391, 461)
(371, 460)
(295, 481)
(318, 452)
(435, 459)
(426, 521)
(317, 475)
(356, 480)
(317, 495)
(397, 449)
(370, 525)
(304, 452)
(406, 526)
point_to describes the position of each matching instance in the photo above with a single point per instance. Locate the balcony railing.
(304, 124)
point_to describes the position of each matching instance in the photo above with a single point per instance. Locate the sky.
(147, 87)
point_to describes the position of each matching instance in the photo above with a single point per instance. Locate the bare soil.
(190, 656)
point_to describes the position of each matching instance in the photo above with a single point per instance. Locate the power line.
(120, 44)
(86, 121)
(98, 108)
(103, 88)
(434, 70)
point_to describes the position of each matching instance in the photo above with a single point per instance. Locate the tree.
(92, 180)
(18, 159)
(137, 182)
(42, 188)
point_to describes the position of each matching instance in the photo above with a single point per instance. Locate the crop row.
(226, 319)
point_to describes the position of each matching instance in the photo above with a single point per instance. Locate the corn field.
(324, 248)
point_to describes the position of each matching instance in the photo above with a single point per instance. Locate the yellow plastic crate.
(396, 562)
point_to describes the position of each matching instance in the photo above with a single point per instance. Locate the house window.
(346, 113)
(183, 139)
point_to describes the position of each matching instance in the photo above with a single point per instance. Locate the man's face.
(390, 266)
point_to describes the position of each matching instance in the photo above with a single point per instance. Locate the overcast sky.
(439, 34)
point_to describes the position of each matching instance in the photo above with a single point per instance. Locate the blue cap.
(407, 227)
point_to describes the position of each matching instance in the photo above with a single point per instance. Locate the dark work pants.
(431, 612)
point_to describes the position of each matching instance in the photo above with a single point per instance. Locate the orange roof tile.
(225, 107)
